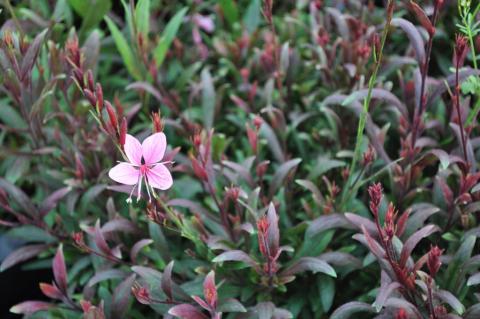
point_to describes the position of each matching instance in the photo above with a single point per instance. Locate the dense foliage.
(324, 157)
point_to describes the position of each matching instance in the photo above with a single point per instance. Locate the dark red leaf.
(51, 201)
(30, 307)
(60, 270)
(22, 254)
(51, 291)
(273, 233)
(166, 283)
(413, 240)
(32, 54)
(186, 311)
(121, 297)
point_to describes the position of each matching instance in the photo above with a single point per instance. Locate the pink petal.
(125, 174)
(153, 148)
(133, 149)
(159, 177)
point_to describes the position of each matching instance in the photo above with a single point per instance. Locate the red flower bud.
(90, 82)
(99, 95)
(375, 193)
(157, 122)
(252, 138)
(111, 114)
(123, 132)
(141, 294)
(401, 314)
(198, 169)
(433, 262)
(90, 97)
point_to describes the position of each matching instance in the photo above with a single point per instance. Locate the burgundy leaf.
(137, 247)
(359, 222)
(341, 259)
(383, 293)
(32, 54)
(235, 255)
(51, 291)
(347, 310)
(60, 270)
(106, 275)
(281, 174)
(413, 240)
(210, 290)
(273, 233)
(451, 300)
(414, 37)
(327, 222)
(20, 197)
(313, 264)
(166, 283)
(121, 297)
(371, 243)
(402, 223)
(100, 240)
(51, 201)
(186, 311)
(30, 307)
(22, 254)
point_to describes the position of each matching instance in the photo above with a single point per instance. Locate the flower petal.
(124, 173)
(153, 148)
(133, 149)
(160, 177)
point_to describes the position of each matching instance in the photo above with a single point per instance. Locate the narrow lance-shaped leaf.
(60, 270)
(32, 53)
(166, 282)
(413, 240)
(281, 173)
(121, 297)
(167, 36)
(273, 233)
(30, 307)
(22, 254)
(124, 49)
(186, 311)
(313, 264)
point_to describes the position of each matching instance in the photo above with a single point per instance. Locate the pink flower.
(143, 165)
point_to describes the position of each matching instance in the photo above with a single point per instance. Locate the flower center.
(143, 169)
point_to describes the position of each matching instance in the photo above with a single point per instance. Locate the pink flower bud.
(433, 262)
(99, 95)
(375, 193)
(111, 114)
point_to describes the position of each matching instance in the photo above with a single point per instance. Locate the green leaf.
(168, 35)
(230, 11)
(251, 19)
(326, 289)
(124, 49)
(324, 164)
(208, 99)
(31, 234)
(95, 14)
(142, 17)
(10, 116)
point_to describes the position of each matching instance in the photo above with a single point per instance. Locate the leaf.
(137, 247)
(90, 195)
(473, 312)
(208, 99)
(327, 292)
(31, 233)
(121, 297)
(124, 49)
(281, 173)
(30, 57)
(10, 117)
(358, 221)
(51, 201)
(474, 279)
(251, 19)
(92, 13)
(267, 132)
(106, 275)
(142, 17)
(341, 259)
(231, 305)
(449, 298)
(347, 310)
(327, 222)
(340, 22)
(273, 233)
(60, 270)
(313, 264)
(235, 255)
(384, 292)
(166, 282)
(147, 87)
(167, 36)
(316, 194)
(414, 37)
(100, 240)
(186, 311)
(30, 307)
(230, 11)
(323, 165)
(22, 254)
(20, 197)
(413, 240)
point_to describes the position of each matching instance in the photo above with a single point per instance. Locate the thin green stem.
(371, 83)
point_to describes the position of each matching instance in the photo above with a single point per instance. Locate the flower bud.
(433, 262)
(111, 115)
